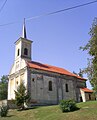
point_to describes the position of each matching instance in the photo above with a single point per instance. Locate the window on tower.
(25, 51)
(18, 52)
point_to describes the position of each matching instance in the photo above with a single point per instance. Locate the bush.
(3, 111)
(67, 105)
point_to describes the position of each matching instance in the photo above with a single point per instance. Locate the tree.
(21, 96)
(91, 48)
(80, 73)
(75, 73)
(3, 87)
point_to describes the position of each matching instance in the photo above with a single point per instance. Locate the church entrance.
(81, 100)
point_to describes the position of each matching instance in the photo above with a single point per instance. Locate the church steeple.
(24, 30)
(23, 46)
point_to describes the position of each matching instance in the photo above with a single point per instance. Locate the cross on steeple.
(24, 30)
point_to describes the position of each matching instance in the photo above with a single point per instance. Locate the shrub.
(67, 105)
(3, 111)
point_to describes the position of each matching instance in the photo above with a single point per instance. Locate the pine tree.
(21, 96)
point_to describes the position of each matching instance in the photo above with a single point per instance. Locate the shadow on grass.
(75, 109)
(29, 108)
(7, 116)
(10, 115)
(71, 110)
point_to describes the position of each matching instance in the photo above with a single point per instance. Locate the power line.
(62, 10)
(47, 14)
(3, 5)
(10, 23)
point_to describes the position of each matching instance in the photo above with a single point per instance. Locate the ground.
(87, 111)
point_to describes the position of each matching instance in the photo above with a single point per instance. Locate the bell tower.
(23, 46)
(18, 71)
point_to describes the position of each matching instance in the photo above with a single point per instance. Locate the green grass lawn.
(87, 111)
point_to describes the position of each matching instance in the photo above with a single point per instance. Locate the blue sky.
(57, 37)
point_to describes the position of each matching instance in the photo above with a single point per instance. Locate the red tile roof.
(45, 67)
(86, 90)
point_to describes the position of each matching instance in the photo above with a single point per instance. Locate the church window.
(66, 85)
(18, 52)
(50, 85)
(17, 82)
(25, 51)
(89, 97)
(33, 79)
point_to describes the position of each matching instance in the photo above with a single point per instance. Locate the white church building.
(46, 84)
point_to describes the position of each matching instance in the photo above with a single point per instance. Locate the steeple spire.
(24, 30)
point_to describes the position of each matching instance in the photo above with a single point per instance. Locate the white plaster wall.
(16, 76)
(83, 95)
(18, 46)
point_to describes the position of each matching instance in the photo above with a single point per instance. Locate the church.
(46, 84)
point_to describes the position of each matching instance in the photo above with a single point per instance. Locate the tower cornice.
(23, 39)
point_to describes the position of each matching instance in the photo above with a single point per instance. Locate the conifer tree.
(21, 96)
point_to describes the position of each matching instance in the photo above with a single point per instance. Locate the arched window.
(25, 51)
(33, 79)
(18, 52)
(66, 85)
(89, 97)
(50, 85)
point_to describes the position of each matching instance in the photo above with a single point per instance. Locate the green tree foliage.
(21, 96)
(68, 105)
(91, 47)
(3, 87)
(75, 73)
(80, 73)
(3, 111)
